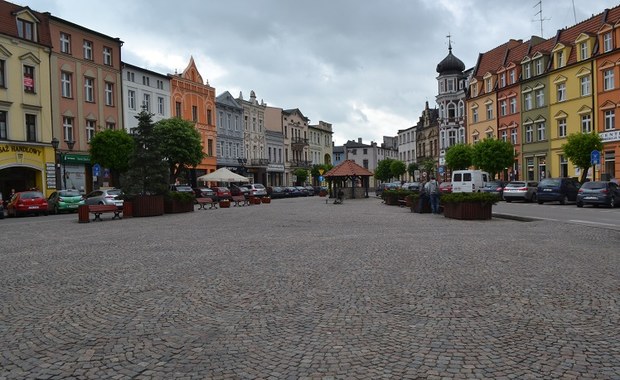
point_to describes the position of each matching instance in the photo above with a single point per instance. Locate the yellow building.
(27, 159)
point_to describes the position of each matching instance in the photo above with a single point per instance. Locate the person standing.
(432, 189)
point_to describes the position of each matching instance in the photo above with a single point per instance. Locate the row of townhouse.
(533, 94)
(60, 83)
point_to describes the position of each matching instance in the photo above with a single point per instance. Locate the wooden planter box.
(147, 205)
(468, 210)
(173, 206)
(422, 206)
(322, 193)
(127, 209)
(265, 200)
(224, 203)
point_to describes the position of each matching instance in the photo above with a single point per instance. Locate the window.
(111, 126)
(607, 42)
(540, 98)
(88, 50)
(474, 114)
(194, 113)
(502, 108)
(451, 85)
(528, 101)
(561, 92)
(608, 79)
(513, 105)
(560, 58)
(529, 133)
(107, 56)
(29, 79)
(512, 76)
(583, 49)
(209, 117)
(146, 80)
(610, 120)
(65, 43)
(489, 111)
(489, 85)
(2, 73)
(365, 163)
(25, 30)
(563, 166)
(585, 85)
(67, 128)
(31, 127)
(502, 80)
(65, 84)
(504, 135)
(562, 127)
(131, 99)
(90, 129)
(527, 71)
(109, 94)
(131, 76)
(146, 102)
(89, 89)
(210, 147)
(160, 84)
(3, 127)
(586, 123)
(513, 136)
(541, 131)
(160, 105)
(177, 109)
(539, 66)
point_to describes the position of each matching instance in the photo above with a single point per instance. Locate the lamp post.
(63, 156)
(55, 144)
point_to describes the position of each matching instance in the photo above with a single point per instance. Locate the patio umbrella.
(222, 175)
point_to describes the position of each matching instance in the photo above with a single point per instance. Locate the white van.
(468, 181)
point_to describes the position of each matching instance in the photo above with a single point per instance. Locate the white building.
(144, 88)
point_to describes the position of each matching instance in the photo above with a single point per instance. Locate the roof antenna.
(540, 17)
(574, 12)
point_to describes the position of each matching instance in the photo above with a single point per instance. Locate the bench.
(240, 200)
(203, 202)
(402, 202)
(97, 210)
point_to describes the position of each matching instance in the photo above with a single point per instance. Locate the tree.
(459, 157)
(493, 155)
(411, 168)
(302, 175)
(398, 168)
(112, 149)
(314, 171)
(428, 166)
(578, 148)
(180, 145)
(383, 172)
(148, 172)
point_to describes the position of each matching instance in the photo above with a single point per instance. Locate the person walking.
(432, 189)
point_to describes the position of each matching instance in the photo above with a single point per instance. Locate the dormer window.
(489, 84)
(559, 59)
(583, 50)
(502, 80)
(25, 29)
(607, 42)
(539, 66)
(527, 71)
(474, 90)
(512, 76)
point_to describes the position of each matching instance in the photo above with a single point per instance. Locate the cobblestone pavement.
(299, 289)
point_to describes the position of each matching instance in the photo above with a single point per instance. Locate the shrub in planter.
(391, 197)
(176, 201)
(469, 206)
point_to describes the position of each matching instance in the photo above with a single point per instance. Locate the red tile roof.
(8, 26)
(495, 58)
(348, 168)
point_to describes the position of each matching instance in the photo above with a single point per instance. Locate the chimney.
(359, 140)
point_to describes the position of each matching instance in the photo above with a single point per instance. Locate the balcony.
(301, 164)
(298, 143)
(259, 162)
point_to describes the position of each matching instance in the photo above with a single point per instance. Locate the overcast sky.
(367, 67)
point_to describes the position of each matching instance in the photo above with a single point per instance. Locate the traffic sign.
(96, 170)
(441, 170)
(595, 157)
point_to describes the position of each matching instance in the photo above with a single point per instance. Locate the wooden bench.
(402, 202)
(203, 202)
(240, 200)
(97, 210)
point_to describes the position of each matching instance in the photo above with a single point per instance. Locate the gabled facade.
(194, 100)
(27, 158)
(427, 136)
(144, 89)
(296, 145)
(229, 132)
(276, 148)
(320, 143)
(254, 138)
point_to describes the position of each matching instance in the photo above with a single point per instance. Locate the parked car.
(239, 190)
(292, 191)
(414, 186)
(27, 202)
(64, 200)
(275, 192)
(494, 187)
(310, 190)
(469, 181)
(445, 187)
(181, 188)
(1, 207)
(203, 192)
(598, 193)
(520, 191)
(256, 189)
(386, 186)
(104, 197)
(222, 192)
(560, 190)
(303, 192)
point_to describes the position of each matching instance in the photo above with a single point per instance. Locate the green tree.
(314, 171)
(428, 166)
(459, 156)
(180, 145)
(148, 172)
(578, 148)
(398, 168)
(112, 149)
(383, 172)
(302, 176)
(493, 155)
(411, 168)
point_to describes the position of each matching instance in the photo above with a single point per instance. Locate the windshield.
(31, 195)
(69, 193)
(516, 184)
(549, 182)
(114, 192)
(594, 185)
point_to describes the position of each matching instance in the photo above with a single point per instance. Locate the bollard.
(83, 214)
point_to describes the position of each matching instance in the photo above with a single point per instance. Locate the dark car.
(561, 190)
(182, 188)
(310, 190)
(275, 192)
(303, 192)
(203, 192)
(239, 190)
(386, 186)
(494, 187)
(598, 193)
(292, 191)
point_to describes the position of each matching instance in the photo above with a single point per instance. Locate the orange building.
(194, 100)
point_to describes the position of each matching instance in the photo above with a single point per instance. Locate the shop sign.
(76, 159)
(21, 149)
(610, 136)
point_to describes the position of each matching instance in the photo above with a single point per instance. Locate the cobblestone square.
(301, 289)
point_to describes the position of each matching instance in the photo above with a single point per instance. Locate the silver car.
(256, 189)
(520, 191)
(104, 197)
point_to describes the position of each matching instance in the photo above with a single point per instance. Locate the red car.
(445, 187)
(27, 202)
(222, 192)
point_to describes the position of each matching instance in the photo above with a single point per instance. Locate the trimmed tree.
(459, 156)
(398, 168)
(493, 155)
(578, 148)
(302, 176)
(383, 172)
(411, 168)
(112, 149)
(180, 143)
(428, 165)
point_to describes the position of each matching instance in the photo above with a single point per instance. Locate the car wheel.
(508, 200)
(564, 200)
(579, 204)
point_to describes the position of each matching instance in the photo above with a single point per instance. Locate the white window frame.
(585, 85)
(583, 50)
(608, 79)
(607, 42)
(513, 105)
(539, 66)
(67, 128)
(512, 76)
(586, 123)
(66, 84)
(513, 136)
(489, 111)
(540, 98)
(107, 55)
(503, 106)
(131, 99)
(561, 91)
(90, 129)
(109, 94)
(160, 105)
(527, 101)
(562, 127)
(146, 102)
(89, 89)
(87, 48)
(540, 129)
(610, 120)
(529, 133)
(65, 43)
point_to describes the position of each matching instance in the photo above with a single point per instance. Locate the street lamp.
(63, 155)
